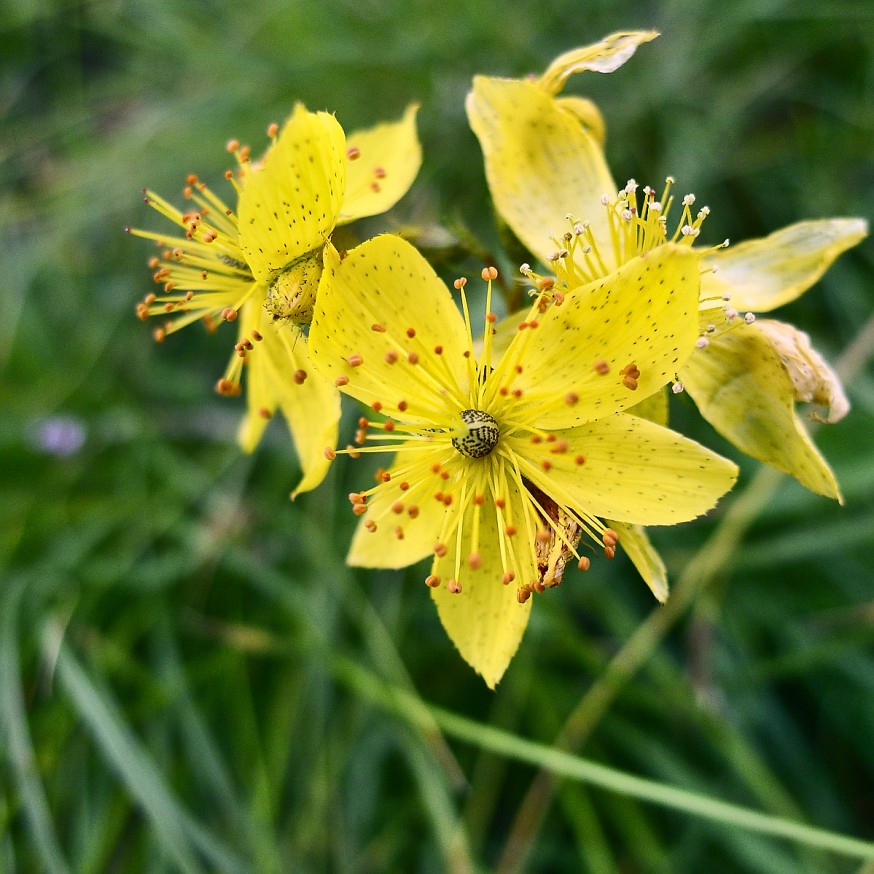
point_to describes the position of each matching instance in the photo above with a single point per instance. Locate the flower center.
(480, 435)
(292, 293)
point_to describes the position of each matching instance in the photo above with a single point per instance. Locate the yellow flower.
(545, 162)
(260, 266)
(502, 465)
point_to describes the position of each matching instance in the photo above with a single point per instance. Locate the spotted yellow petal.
(743, 389)
(281, 376)
(405, 534)
(484, 620)
(381, 165)
(635, 542)
(654, 408)
(603, 57)
(645, 313)
(763, 274)
(632, 471)
(541, 163)
(814, 381)
(289, 206)
(380, 315)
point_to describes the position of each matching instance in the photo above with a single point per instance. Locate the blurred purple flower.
(61, 436)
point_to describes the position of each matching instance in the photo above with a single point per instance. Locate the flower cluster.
(542, 440)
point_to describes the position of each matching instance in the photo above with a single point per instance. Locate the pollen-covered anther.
(370, 525)
(397, 507)
(341, 381)
(571, 398)
(379, 329)
(227, 388)
(489, 273)
(523, 593)
(355, 360)
(299, 377)
(359, 509)
(630, 374)
(601, 367)
(391, 356)
(561, 446)
(399, 532)
(432, 582)
(353, 153)
(454, 587)
(510, 530)
(459, 283)
(542, 536)
(440, 549)
(357, 498)
(508, 578)
(609, 552)
(330, 454)
(609, 537)
(584, 563)
(229, 314)
(474, 561)
(264, 413)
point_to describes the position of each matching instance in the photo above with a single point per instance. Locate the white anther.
(688, 200)
(749, 318)
(677, 387)
(701, 342)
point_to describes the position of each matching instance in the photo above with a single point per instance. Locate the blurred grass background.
(177, 639)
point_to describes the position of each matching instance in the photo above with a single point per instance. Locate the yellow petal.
(743, 389)
(385, 163)
(311, 408)
(603, 57)
(634, 471)
(763, 274)
(386, 283)
(541, 163)
(654, 408)
(289, 206)
(484, 620)
(646, 313)
(635, 541)
(587, 114)
(383, 547)
(814, 381)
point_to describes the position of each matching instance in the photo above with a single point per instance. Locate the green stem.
(568, 766)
